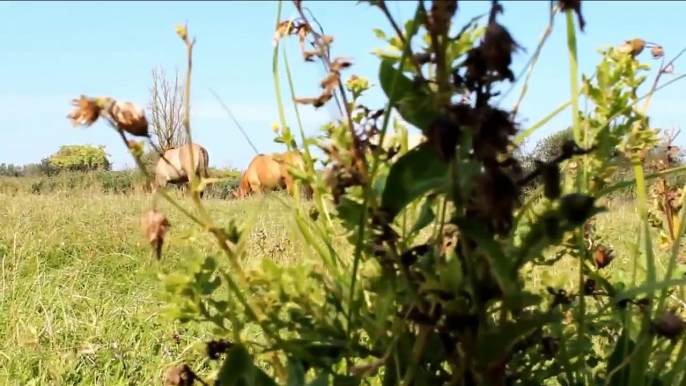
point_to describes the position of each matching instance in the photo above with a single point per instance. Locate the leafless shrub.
(166, 110)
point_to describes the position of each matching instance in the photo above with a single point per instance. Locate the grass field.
(78, 302)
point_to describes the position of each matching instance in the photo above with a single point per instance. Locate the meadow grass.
(78, 303)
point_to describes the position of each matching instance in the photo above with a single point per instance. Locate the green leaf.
(238, 367)
(296, 373)
(345, 380)
(349, 212)
(379, 33)
(426, 215)
(416, 173)
(650, 287)
(521, 300)
(500, 264)
(394, 83)
(321, 380)
(623, 348)
(496, 345)
(399, 87)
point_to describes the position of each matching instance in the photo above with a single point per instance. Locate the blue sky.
(55, 51)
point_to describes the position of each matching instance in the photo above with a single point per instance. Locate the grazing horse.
(178, 169)
(270, 172)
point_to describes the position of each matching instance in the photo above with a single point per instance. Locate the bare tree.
(166, 110)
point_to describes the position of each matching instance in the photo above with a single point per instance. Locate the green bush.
(111, 182)
(81, 158)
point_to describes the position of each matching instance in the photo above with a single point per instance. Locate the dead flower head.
(603, 256)
(86, 112)
(657, 52)
(181, 375)
(127, 116)
(440, 15)
(498, 47)
(668, 325)
(634, 46)
(155, 225)
(574, 5)
(494, 199)
(340, 63)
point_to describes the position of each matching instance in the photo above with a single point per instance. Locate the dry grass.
(78, 283)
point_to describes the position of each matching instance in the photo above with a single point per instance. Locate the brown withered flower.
(214, 348)
(340, 63)
(602, 256)
(331, 79)
(475, 63)
(181, 375)
(155, 225)
(498, 47)
(668, 325)
(285, 28)
(589, 287)
(87, 111)
(494, 199)
(657, 52)
(126, 116)
(574, 5)
(494, 133)
(317, 101)
(439, 17)
(632, 46)
(443, 134)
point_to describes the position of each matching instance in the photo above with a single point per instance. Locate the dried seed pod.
(214, 348)
(340, 63)
(643, 302)
(498, 47)
(443, 134)
(181, 375)
(127, 116)
(550, 172)
(634, 46)
(576, 207)
(668, 325)
(657, 52)
(589, 287)
(603, 256)
(155, 225)
(574, 5)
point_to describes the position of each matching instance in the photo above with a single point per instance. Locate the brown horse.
(178, 169)
(270, 172)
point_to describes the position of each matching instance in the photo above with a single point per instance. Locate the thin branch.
(226, 108)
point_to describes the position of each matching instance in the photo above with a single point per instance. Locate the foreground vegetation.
(415, 267)
(79, 300)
